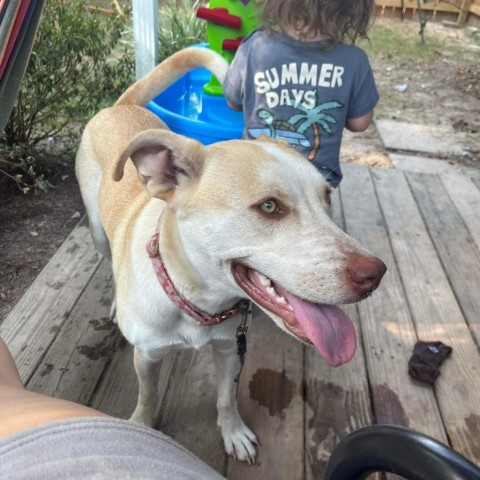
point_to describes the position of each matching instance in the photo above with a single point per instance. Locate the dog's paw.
(240, 443)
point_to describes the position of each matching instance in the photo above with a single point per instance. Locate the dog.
(235, 220)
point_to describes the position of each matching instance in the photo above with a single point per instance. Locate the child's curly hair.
(342, 21)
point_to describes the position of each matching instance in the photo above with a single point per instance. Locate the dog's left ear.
(163, 159)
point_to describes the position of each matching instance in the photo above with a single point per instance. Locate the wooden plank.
(188, 412)
(35, 321)
(435, 311)
(458, 253)
(387, 326)
(186, 399)
(474, 176)
(389, 3)
(271, 404)
(412, 4)
(465, 195)
(475, 9)
(432, 6)
(463, 13)
(116, 393)
(76, 359)
(337, 400)
(337, 403)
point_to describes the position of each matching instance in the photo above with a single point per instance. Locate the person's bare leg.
(21, 410)
(8, 370)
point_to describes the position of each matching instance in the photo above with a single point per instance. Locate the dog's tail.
(170, 70)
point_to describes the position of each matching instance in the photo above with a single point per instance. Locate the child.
(298, 80)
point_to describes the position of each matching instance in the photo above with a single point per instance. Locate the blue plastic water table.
(189, 111)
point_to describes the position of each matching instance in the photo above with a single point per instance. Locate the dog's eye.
(270, 206)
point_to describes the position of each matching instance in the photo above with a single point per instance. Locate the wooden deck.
(427, 230)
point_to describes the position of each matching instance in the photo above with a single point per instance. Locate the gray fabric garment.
(17, 63)
(98, 448)
(300, 92)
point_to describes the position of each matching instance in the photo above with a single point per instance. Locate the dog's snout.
(365, 274)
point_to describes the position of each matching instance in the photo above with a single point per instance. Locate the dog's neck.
(201, 317)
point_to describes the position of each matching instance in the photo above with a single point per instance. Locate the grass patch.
(393, 38)
(399, 40)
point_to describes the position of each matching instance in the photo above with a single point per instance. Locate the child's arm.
(233, 88)
(234, 83)
(364, 96)
(359, 124)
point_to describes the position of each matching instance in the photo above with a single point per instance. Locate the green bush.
(78, 65)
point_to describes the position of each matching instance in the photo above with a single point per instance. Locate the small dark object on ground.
(424, 364)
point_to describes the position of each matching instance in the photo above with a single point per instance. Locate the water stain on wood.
(102, 349)
(103, 324)
(46, 369)
(106, 301)
(472, 423)
(388, 408)
(73, 248)
(331, 409)
(273, 390)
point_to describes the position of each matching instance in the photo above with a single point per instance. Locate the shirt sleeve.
(364, 94)
(234, 84)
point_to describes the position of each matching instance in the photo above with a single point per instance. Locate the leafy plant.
(76, 67)
(179, 27)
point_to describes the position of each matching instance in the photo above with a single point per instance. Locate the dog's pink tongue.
(328, 328)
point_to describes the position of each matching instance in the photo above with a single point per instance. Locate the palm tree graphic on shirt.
(315, 118)
(294, 128)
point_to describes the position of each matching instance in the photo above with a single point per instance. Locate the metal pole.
(145, 29)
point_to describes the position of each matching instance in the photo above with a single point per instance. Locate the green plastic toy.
(228, 22)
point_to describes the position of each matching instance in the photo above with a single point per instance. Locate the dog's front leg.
(239, 440)
(147, 373)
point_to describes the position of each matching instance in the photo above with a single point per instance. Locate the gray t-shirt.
(98, 448)
(300, 92)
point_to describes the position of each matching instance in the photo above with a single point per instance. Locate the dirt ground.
(445, 90)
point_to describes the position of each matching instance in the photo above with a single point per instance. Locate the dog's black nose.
(365, 274)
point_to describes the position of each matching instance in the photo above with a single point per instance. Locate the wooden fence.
(458, 11)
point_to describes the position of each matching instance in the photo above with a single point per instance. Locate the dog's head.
(253, 218)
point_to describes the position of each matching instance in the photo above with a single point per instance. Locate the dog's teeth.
(290, 307)
(265, 281)
(281, 300)
(271, 291)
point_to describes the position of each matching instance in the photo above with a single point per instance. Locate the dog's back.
(110, 131)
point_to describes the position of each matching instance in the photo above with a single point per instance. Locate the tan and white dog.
(237, 220)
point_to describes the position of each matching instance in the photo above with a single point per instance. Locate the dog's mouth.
(323, 325)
